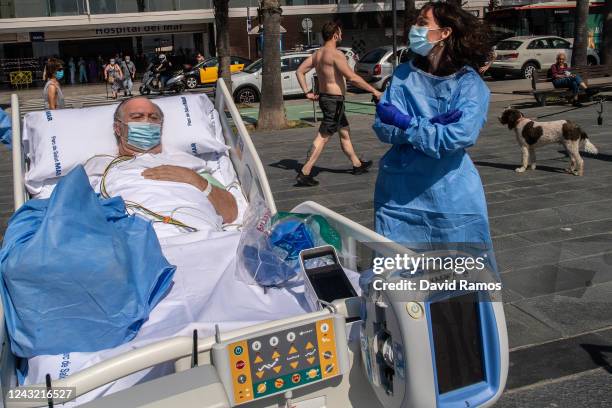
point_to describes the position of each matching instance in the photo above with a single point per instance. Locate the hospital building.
(88, 28)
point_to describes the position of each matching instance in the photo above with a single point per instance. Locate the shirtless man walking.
(332, 70)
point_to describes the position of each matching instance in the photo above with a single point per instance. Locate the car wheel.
(192, 83)
(144, 90)
(529, 69)
(246, 95)
(180, 88)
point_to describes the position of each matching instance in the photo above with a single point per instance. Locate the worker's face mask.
(419, 43)
(143, 135)
(59, 74)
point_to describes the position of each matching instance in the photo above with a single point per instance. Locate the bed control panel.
(288, 357)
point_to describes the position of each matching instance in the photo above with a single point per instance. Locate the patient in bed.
(175, 185)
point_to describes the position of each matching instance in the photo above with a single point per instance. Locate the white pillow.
(57, 141)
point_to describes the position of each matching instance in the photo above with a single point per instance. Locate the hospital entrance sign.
(137, 30)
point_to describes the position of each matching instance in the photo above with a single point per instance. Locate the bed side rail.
(249, 168)
(19, 191)
(153, 354)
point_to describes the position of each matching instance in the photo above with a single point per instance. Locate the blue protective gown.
(428, 190)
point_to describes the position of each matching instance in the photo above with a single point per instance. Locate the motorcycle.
(151, 82)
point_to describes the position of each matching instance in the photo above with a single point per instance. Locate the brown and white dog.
(531, 135)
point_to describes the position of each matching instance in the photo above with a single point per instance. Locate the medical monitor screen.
(457, 342)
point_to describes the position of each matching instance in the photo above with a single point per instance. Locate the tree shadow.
(504, 166)
(291, 164)
(598, 355)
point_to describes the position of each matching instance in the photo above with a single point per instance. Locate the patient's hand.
(177, 174)
(224, 202)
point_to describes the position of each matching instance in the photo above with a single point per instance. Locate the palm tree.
(581, 41)
(271, 106)
(410, 14)
(606, 45)
(223, 40)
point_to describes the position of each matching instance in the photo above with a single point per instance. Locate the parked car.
(522, 56)
(376, 66)
(247, 84)
(207, 71)
(351, 56)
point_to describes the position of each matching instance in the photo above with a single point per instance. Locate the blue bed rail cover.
(78, 273)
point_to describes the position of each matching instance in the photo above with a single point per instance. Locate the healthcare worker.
(428, 190)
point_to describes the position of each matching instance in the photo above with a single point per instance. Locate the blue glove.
(390, 115)
(447, 118)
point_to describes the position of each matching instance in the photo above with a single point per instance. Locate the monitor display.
(457, 342)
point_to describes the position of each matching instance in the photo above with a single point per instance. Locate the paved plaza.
(552, 236)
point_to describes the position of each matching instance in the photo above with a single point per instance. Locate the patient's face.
(138, 109)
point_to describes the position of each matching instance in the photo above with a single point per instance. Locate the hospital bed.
(373, 351)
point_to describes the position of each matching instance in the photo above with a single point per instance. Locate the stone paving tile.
(524, 329)
(575, 311)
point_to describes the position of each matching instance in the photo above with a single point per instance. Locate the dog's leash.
(600, 111)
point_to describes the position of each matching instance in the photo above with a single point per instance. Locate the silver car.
(376, 66)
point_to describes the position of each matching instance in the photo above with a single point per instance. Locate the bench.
(597, 77)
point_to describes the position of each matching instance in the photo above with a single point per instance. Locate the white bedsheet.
(204, 293)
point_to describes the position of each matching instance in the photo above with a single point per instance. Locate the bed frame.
(356, 241)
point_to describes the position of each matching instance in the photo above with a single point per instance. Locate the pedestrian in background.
(129, 72)
(52, 92)
(332, 72)
(199, 57)
(82, 71)
(428, 189)
(113, 76)
(72, 69)
(562, 77)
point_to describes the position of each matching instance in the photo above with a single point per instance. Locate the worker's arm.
(301, 72)
(437, 139)
(223, 201)
(350, 75)
(52, 94)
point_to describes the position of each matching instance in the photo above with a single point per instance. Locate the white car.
(522, 56)
(247, 84)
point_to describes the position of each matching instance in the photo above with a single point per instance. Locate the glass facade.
(52, 8)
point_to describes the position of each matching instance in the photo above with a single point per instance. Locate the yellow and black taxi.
(206, 72)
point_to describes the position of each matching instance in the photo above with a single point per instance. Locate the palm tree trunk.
(606, 44)
(271, 106)
(223, 40)
(410, 15)
(579, 53)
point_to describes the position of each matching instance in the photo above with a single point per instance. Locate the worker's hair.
(118, 115)
(329, 29)
(470, 42)
(53, 65)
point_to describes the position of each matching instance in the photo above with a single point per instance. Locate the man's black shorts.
(334, 117)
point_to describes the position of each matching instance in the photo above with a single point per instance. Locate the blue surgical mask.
(418, 40)
(59, 74)
(143, 135)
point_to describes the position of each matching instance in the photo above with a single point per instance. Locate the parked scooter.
(151, 82)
